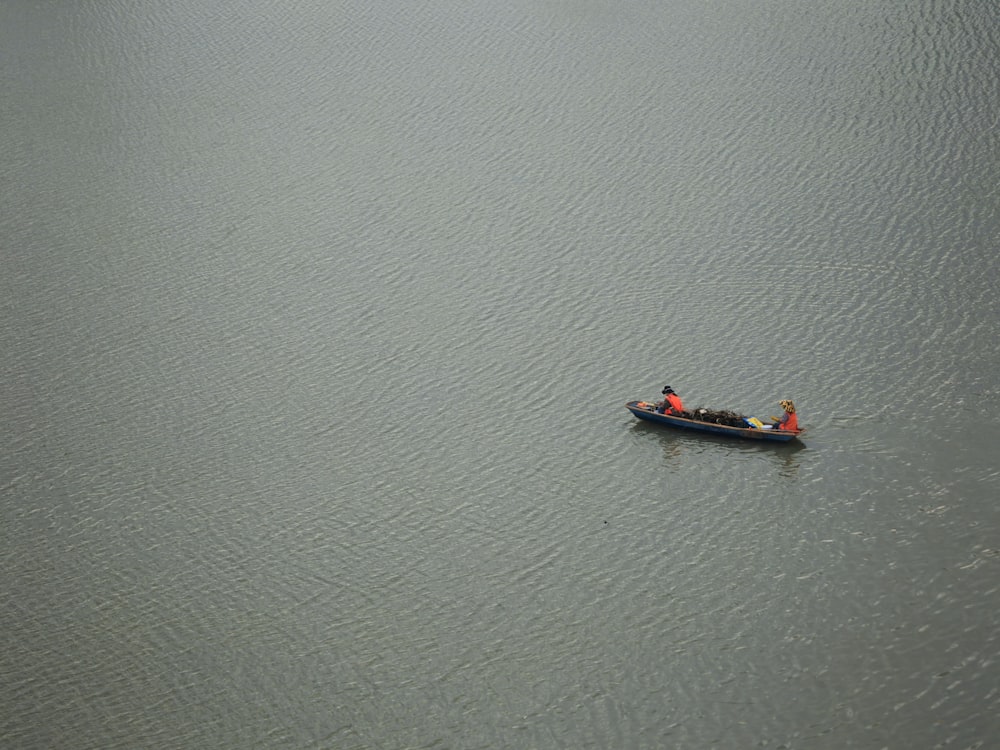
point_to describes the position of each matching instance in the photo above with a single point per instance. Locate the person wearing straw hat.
(789, 420)
(671, 403)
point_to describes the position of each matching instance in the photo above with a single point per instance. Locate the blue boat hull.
(748, 433)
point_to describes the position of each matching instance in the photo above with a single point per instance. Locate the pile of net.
(728, 418)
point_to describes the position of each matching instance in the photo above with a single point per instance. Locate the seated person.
(671, 403)
(789, 420)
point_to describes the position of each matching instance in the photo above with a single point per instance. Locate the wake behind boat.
(718, 422)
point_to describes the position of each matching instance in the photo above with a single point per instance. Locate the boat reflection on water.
(678, 445)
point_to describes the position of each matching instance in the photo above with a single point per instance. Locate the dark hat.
(667, 389)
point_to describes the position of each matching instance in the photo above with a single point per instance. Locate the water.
(318, 324)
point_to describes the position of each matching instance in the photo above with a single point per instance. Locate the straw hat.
(787, 406)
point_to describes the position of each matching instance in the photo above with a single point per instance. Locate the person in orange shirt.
(789, 420)
(671, 403)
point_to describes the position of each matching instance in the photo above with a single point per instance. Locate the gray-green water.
(318, 320)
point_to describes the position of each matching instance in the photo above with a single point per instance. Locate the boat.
(719, 423)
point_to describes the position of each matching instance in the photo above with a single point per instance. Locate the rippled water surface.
(318, 324)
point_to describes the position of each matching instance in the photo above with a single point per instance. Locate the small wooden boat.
(708, 421)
